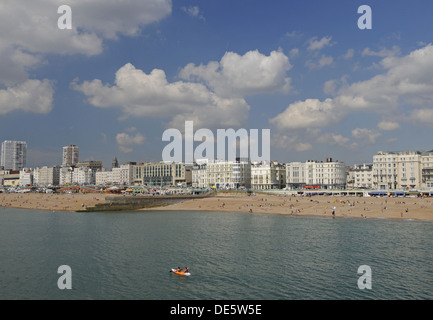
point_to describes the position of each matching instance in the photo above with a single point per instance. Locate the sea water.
(129, 255)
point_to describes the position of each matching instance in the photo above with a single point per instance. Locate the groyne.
(129, 203)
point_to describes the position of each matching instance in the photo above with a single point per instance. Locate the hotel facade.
(221, 174)
(162, 173)
(326, 175)
(403, 170)
(360, 177)
(268, 175)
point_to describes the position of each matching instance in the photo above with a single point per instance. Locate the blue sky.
(128, 70)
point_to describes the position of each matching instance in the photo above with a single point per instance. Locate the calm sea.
(129, 255)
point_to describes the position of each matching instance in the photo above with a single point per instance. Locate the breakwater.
(128, 203)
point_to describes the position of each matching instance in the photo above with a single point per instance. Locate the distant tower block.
(70, 155)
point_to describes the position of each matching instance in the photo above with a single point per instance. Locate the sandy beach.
(357, 207)
(343, 206)
(52, 202)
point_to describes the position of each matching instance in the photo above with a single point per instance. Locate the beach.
(342, 206)
(52, 202)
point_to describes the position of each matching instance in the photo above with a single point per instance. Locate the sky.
(128, 70)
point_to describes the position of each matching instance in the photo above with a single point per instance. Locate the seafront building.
(360, 176)
(268, 175)
(11, 178)
(13, 155)
(427, 169)
(403, 170)
(123, 175)
(398, 170)
(311, 174)
(46, 176)
(26, 177)
(222, 174)
(70, 155)
(162, 174)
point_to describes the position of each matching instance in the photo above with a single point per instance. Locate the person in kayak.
(186, 270)
(179, 269)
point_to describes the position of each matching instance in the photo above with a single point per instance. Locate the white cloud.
(330, 87)
(307, 114)
(366, 136)
(388, 125)
(407, 81)
(290, 143)
(125, 141)
(30, 31)
(31, 96)
(237, 76)
(349, 54)
(395, 50)
(315, 44)
(150, 95)
(319, 64)
(193, 11)
(294, 52)
(423, 116)
(336, 139)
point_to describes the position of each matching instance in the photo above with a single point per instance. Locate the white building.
(427, 169)
(83, 176)
(70, 155)
(316, 174)
(46, 176)
(13, 155)
(268, 175)
(123, 175)
(66, 174)
(296, 175)
(403, 169)
(103, 178)
(222, 174)
(360, 177)
(26, 177)
(199, 175)
(161, 173)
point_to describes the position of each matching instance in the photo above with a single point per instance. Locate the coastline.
(52, 202)
(322, 206)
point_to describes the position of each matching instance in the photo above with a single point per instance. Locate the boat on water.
(180, 273)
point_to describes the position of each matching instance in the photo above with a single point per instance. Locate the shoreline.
(64, 202)
(316, 206)
(319, 206)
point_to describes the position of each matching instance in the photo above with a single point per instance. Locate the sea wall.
(128, 203)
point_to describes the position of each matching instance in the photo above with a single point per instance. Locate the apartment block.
(46, 176)
(268, 175)
(360, 176)
(13, 155)
(162, 173)
(326, 175)
(397, 170)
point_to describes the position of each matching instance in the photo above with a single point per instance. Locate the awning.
(379, 192)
